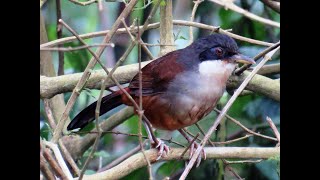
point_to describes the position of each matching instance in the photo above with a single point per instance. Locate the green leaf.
(162, 3)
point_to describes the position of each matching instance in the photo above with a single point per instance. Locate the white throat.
(216, 67)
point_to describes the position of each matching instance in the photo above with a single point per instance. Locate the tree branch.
(78, 145)
(155, 26)
(230, 5)
(87, 72)
(137, 161)
(50, 86)
(273, 5)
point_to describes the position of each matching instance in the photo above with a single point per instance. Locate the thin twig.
(244, 161)
(129, 134)
(87, 72)
(148, 44)
(217, 29)
(59, 35)
(234, 140)
(223, 160)
(140, 111)
(59, 158)
(127, 29)
(83, 3)
(223, 112)
(47, 173)
(257, 57)
(273, 5)
(154, 26)
(195, 7)
(100, 6)
(53, 164)
(68, 157)
(190, 144)
(49, 114)
(274, 129)
(145, 48)
(67, 49)
(123, 157)
(253, 128)
(230, 5)
(245, 128)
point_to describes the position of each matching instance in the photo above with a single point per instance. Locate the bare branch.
(75, 48)
(273, 5)
(87, 72)
(68, 157)
(47, 173)
(245, 128)
(123, 157)
(233, 7)
(154, 26)
(257, 57)
(195, 7)
(274, 128)
(244, 161)
(166, 28)
(137, 161)
(59, 158)
(83, 3)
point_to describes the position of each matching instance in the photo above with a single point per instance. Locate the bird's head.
(213, 54)
(220, 47)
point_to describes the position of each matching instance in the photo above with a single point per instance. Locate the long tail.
(88, 114)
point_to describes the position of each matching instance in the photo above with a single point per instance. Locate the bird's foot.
(161, 146)
(194, 146)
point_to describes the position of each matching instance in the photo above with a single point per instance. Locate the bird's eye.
(218, 51)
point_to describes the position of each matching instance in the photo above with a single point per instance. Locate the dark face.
(221, 47)
(216, 53)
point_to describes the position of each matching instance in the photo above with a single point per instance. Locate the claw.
(193, 148)
(162, 147)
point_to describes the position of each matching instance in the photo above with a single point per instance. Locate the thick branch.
(166, 28)
(137, 161)
(50, 86)
(259, 84)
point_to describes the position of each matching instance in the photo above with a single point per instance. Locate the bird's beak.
(239, 58)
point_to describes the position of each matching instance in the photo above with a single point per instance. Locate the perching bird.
(179, 88)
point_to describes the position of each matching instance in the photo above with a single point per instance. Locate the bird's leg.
(155, 142)
(193, 147)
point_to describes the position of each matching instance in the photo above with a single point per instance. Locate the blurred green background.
(250, 110)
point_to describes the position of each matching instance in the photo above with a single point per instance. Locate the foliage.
(250, 110)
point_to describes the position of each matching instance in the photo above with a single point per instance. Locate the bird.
(179, 88)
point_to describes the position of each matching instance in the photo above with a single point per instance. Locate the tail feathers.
(88, 114)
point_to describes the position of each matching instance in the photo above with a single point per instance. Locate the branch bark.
(50, 86)
(137, 161)
(259, 84)
(166, 28)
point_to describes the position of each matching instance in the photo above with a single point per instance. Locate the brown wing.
(157, 75)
